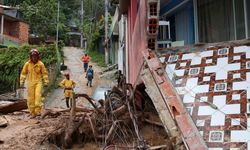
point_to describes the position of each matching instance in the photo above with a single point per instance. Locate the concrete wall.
(137, 38)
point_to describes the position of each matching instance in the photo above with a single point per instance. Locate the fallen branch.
(119, 111)
(153, 122)
(49, 134)
(111, 132)
(57, 112)
(90, 100)
(9, 99)
(70, 129)
(16, 106)
(157, 147)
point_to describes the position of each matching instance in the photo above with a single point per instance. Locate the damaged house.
(200, 91)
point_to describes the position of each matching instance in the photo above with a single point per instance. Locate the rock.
(17, 113)
(3, 122)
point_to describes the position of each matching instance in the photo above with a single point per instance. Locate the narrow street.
(72, 59)
(25, 133)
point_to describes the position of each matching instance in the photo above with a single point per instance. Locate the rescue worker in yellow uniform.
(37, 73)
(68, 86)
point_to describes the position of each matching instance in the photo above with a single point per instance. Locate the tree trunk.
(16, 106)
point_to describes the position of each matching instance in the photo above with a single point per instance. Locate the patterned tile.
(216, 136)
(215, 88)
(236, 75)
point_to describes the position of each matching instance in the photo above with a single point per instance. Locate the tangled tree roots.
(114, 124)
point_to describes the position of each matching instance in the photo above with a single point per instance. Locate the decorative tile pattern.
(235, 121)
(236, 97)
(183, 64)
(209, 61)
(200, 122)
(220, 87)
(215, 88)
(173, 58)
(207, 78)
(223, 51)
(236, 75)
(248, 65)
(216, 136)
(194, 71)
(236, 58)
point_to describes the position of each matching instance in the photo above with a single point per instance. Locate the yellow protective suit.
(36, 72)
(68, 86)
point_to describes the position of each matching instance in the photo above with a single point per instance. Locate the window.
(215, 20)
(239, 19)
(221, 20)
(248, 15)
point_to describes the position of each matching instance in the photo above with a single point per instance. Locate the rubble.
(117, 122)
(3, 121)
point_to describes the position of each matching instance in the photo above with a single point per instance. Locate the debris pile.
(125, 119)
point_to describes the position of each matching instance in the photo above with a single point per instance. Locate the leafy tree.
(42, 15)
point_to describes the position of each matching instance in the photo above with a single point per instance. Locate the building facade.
(13, 30)
(207, 21)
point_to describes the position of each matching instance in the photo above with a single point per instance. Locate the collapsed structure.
(199, 91)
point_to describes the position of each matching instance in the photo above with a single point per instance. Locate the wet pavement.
(100, 91)
(72, 59)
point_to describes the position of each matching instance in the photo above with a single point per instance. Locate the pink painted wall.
(137, 37)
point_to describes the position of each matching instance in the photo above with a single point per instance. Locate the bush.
(12, 60)
(97, 57)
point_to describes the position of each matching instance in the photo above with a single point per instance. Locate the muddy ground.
(25, 133)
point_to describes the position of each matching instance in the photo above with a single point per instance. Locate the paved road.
(73, 61)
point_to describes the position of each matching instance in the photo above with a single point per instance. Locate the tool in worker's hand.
(20, 93)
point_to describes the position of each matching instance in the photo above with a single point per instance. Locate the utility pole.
(106, 31)
(57, 34)
(81, 42)
(57, 23)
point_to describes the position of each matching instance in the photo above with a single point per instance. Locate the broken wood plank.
(157, 147)
(119, 111)
(154, 122)
(16, 106)
(73, 107)
(9, 99)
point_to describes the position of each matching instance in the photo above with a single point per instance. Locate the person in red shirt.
(85, 60)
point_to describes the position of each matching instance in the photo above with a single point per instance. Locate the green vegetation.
(97, 57)
(93, 39)
(12, 60)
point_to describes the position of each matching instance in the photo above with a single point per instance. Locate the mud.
(23, 133)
